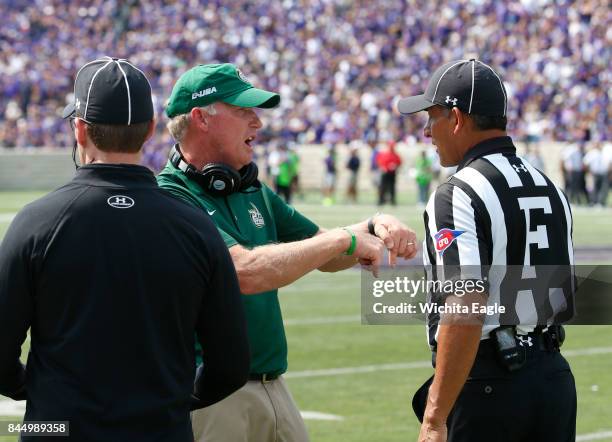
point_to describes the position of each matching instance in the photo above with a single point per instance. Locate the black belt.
(263, 377)
(547, 341)
(530, 342)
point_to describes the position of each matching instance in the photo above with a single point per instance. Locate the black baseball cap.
(471, 85)
(111, 91)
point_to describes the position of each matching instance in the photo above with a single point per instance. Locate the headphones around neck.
(217, 179)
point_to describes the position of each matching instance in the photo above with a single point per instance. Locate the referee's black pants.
(535, 403)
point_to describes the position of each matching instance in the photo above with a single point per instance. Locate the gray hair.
(179, 124)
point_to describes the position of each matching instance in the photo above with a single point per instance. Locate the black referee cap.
(111, 91)
(471, 85)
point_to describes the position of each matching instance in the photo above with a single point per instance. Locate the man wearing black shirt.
(113, 276)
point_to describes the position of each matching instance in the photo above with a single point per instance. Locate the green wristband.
(353, 245)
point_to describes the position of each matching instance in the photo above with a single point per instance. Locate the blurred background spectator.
(339, 65)
(597, 164)
(572, 166)
(532, 155)
(329, 179)
(353, 164)
(424, 176)
(294, 161)
(286, 173)
(388, 162)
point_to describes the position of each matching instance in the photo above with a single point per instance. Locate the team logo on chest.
(444, 238)
(256, 216)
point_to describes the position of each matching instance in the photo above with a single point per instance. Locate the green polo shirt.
(252, 218)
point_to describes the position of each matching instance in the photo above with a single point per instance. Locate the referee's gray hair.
(177, 126)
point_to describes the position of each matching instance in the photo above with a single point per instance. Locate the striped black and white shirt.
(497, 210)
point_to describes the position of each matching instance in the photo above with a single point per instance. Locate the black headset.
(217, 179)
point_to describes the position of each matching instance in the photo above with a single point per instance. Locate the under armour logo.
(451, 100)
(77, 104)
(520, 168)
(120, 202)
(525, 341)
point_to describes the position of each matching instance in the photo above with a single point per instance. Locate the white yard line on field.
(589, 351)
(12, 408)
(602, 435)
(354, 370)
(415, 365)
(324, 320)
(7, 217)
(317, 415)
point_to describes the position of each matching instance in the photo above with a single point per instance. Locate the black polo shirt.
(112, 275)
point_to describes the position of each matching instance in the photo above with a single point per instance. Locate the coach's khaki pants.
(258, 412)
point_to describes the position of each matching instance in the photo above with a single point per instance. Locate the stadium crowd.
(339, 65)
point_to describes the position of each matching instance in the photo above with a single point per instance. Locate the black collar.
(487, 147)
(115, 174)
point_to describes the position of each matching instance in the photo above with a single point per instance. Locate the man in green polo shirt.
(272, 245)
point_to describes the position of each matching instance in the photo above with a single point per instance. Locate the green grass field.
(371, 396)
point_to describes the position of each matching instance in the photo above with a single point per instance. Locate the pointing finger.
(382, 232)
(392, 258)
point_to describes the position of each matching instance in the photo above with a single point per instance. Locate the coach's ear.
(80, 132)
(200, 119)
(460, 120)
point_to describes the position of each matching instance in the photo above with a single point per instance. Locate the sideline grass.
(376, 406)
(592, 227)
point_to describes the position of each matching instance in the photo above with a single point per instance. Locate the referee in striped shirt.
(493, 383)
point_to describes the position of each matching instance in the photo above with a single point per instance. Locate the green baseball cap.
(208, 83)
